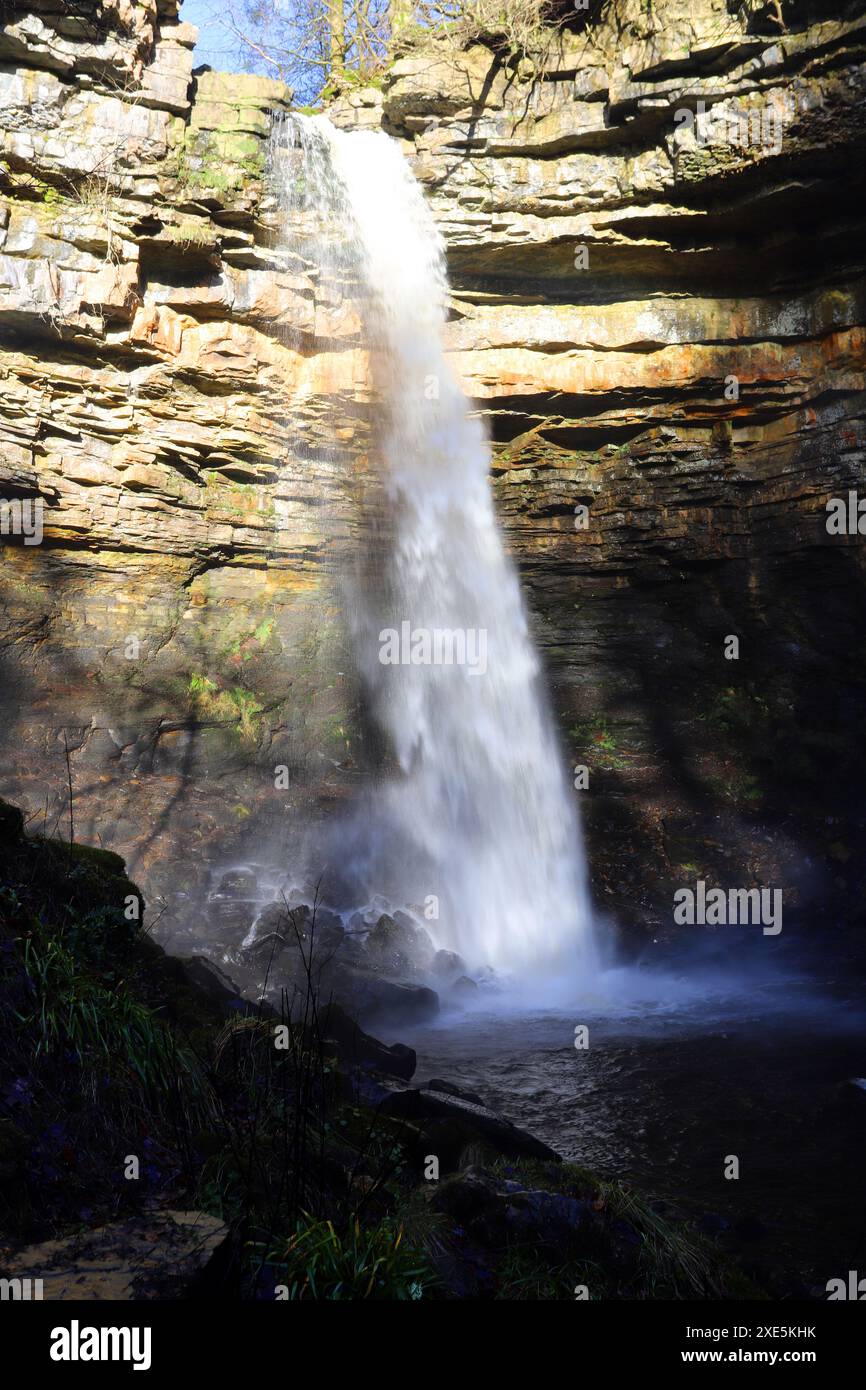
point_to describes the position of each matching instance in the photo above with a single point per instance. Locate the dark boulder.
(399, 945)
(470, 1121)
(274, 917)
(498, 1213)
(11, 823)
(266, 949)
(205, 975)
(316, 933)
(448, 1088)
(370, 997)
(357, 1048)
(229, 919)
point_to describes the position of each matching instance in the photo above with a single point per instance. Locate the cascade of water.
(480, 818)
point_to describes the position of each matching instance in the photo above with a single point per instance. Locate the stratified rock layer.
(663, 328)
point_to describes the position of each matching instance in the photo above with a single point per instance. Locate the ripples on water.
(681, 1071)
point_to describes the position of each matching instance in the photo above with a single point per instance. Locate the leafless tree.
(321, 45)
(312, 44)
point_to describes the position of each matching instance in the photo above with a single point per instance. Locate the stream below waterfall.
(664, 1093)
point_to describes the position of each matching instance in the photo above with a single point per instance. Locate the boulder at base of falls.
(369, 997)
(399, 946)
(447, 965)
(449, 1124)
(205, 975)
(298, 936)
(449, 1089)
(355, 1048)
(464, 987)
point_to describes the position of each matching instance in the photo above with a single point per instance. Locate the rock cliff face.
(655, 245)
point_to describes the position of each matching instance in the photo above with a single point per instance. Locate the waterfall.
(477, 822)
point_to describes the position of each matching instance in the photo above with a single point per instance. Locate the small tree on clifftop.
(313, 44)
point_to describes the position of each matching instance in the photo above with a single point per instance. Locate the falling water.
(479, 822)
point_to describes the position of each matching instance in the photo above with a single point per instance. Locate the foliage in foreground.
(107, 1050)
(317, 1261)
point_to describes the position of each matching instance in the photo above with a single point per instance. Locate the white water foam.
(479, 815)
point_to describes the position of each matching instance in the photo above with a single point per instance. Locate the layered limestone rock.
(656, 252)
(175, 630)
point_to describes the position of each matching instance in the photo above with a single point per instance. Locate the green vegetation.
(90, 1068)
(598, 1236)
(235, 706)
(223, 699)
(219, 162)
(737, 788)
(189, 233)
(739, 711)
(359, 1262)
(596, 741)
(107, 1050)
(29, 186)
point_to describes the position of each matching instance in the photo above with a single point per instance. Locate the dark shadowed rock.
(11, 822)
(448, 1088)
(213, 982)
(229, 919)
(315, 934)
(274, 917)
(357, 1048)
(399, 946)
(496, 1213)
(370, 997)
(266, 950)
(477, 1121)
(327, 922)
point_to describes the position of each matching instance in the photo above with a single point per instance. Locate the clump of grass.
(631, 1251)
(101, 1025)
(320, 1261)
(595, 738)
(188, 234)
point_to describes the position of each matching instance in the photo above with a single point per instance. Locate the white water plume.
(479, 817)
